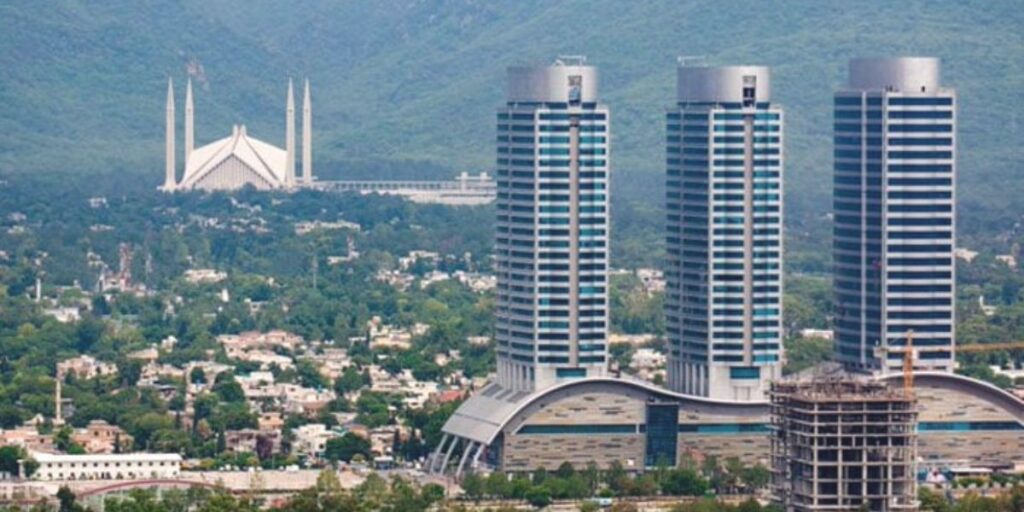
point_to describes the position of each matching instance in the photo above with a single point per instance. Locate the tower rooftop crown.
(569, 79)
(912, 74)
(722, 84)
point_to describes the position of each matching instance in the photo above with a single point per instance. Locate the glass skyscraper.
(894, 204)
(724, 233)
(551, 250)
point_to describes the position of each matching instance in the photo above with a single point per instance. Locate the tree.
(373, 409)
(264, 447)
(538, 496)
(349, 381)
(147, 425)
(9, 457)
(497, 485)
(309, 374)
(756, 477)
(565, 470)
(932, 501)
(432, 493)
(684, 482)
(346, 447)
(592, 476)
(62, 439)
(233, 416)
(131, 371)
(228, 389)
(204, 405)
(617, 478)
(66, 498)
(473, 486)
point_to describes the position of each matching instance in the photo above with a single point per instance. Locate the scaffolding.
(843, 445)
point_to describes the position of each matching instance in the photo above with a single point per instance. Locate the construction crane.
(910, 353)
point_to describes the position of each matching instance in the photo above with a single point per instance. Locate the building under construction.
(843, 445)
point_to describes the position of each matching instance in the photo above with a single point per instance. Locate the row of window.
(909, 101)
(894, 114)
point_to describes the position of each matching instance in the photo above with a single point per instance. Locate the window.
(921, 102)
(662, 432)
(745, 373)
(570, 373)
(927, 114)
(577, 429)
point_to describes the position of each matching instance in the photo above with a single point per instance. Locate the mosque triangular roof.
(267, 161)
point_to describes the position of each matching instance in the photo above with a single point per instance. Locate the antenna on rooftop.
(571, 60)
(692, 61)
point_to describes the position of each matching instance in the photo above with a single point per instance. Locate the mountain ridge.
(414, 81)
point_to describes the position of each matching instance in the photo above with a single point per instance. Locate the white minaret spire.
(169, 176)
(189, 122)
(307, 137)
(289, 178)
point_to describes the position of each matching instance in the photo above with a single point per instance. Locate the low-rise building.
(434, 276)
(271, 421)
(382, 439)
(333, 362)
(27, 436)
(311, 440)
(653, 280)
(253, 440)
(965, 254)
(85, 367)
(825, 334)
(64, 315)
(1008, 259)
(306, 227)
(101, 437)
(204, 275)
(479, 283)
(414, 257)
(647, 362)
(129, 466)
(148, 355)
(269, 340)
(631, 339)
(399, 280)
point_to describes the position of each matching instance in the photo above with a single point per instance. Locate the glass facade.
(724, 241)
(662, 434)
(894, 202)
(551, 250)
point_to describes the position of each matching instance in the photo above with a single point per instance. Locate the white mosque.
(239, 160)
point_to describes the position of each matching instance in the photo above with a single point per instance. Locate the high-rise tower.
(723, 303)
(551, 250)
(894, 203)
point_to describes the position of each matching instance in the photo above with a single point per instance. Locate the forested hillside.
(409, 86)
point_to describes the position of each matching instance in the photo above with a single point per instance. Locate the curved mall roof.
(484, 415)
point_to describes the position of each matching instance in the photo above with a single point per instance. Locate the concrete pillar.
(437, 453)
(448, 454)
(465, 457)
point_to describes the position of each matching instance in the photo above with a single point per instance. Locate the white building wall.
(134, 466)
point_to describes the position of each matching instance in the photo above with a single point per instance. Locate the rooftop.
(122, 457)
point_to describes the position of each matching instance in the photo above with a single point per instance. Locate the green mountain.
(409, 85)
